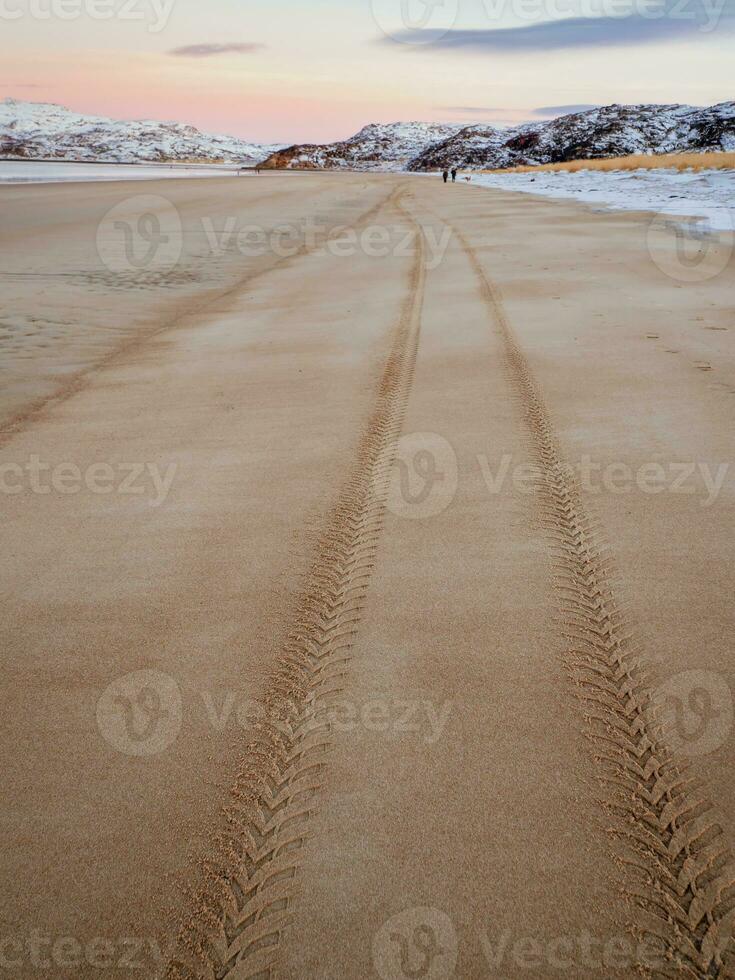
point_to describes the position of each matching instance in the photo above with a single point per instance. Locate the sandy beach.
(367, 583)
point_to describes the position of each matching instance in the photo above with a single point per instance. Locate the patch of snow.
(708, 194)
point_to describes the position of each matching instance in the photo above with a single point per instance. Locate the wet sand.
(354, 676)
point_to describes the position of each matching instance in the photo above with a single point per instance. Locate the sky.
(318, 70)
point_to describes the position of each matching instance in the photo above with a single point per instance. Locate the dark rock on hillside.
(610, 131)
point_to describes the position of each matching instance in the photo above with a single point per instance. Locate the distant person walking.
(454, 174)
(445, 176)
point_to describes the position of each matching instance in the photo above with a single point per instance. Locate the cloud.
(659, 24)
(561, 110)
(210, 50)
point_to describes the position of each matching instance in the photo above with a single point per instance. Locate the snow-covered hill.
(47, 131)
(379, 146)
(609, 131)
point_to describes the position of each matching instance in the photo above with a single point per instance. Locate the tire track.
(657, 809)
(237, 914)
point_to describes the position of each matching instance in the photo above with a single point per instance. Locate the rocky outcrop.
(379, 146)
(611, 131)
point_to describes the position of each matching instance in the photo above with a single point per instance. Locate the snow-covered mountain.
(379, 146)
(611, 131)
(47, 131)
(51, 132)
(606, 132)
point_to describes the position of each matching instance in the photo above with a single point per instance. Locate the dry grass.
(681, 161)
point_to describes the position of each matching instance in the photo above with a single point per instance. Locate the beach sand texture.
(363, 670)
